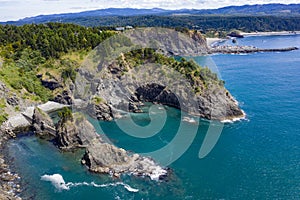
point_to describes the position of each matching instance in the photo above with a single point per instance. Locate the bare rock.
(51, 83)
(13, 101)
(76, 133)
(100, 111)
(64, 98)
(102, 157)
(43, 124)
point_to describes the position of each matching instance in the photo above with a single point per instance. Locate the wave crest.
(59, 183)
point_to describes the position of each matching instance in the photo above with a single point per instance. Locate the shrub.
(65, 114)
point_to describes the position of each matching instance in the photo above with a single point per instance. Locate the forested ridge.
(204, 23)
(51, 39)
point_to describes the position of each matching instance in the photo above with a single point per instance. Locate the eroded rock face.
(100, 111)
(102, 157)
(106, 158)
(42, 124)
(68, 135)
(64, 98)
(51, 83)
(72, 134)
(13, 101)
(157, 94)
(150, 84)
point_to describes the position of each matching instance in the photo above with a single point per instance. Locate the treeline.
(204, 23)
(51, 39)
(50, 51)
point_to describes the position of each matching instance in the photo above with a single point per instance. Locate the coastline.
(10, 186)
(212, 41)
(271, 33)
(235, 119)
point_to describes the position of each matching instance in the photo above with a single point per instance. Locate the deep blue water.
(257, 158)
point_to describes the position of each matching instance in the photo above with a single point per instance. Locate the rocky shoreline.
(18, 122)
(9, 182)
(123, 87)
(70, 134)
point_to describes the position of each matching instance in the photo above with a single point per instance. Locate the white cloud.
(16, 9)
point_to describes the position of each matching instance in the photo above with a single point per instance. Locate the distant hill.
(264, 9)
(246, 10)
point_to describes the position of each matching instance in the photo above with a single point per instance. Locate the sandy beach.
(211, 41)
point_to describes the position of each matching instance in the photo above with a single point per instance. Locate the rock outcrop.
(50, 83)
(127, 77)
(68, 135)
(106, 158)
(43, 125)
(64, 98)
(102, 157)
(160, 84)
(101, 111)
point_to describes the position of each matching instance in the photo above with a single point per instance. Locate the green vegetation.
(46, 51)
(205, 23)
(21, 74)
(3, 115)
(34, 54)
(51, 40)
(98, 100)
(65, 114)
(197, 75)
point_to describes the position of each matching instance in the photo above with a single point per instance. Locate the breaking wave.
(59, 183)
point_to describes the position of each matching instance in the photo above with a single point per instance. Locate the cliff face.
(136, 67)
(43, 125)
(126, 84)
(102, 157)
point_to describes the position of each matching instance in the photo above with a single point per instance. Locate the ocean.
(255, 158)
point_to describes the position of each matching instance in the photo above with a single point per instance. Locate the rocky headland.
(74, 131)
(126, 85)
(122, 82)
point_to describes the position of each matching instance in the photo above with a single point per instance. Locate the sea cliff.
(125, 83)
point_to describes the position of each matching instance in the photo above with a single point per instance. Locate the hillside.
(245, 10)
(247, 18)
(40, 63)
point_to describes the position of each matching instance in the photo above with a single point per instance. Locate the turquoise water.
(257, 158)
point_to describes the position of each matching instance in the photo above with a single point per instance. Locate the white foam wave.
(189, 120)
(126, 186)
(59, 183)
(151, 169)
(235, 119)
(157, 172)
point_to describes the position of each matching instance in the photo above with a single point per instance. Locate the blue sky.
(17, 9)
